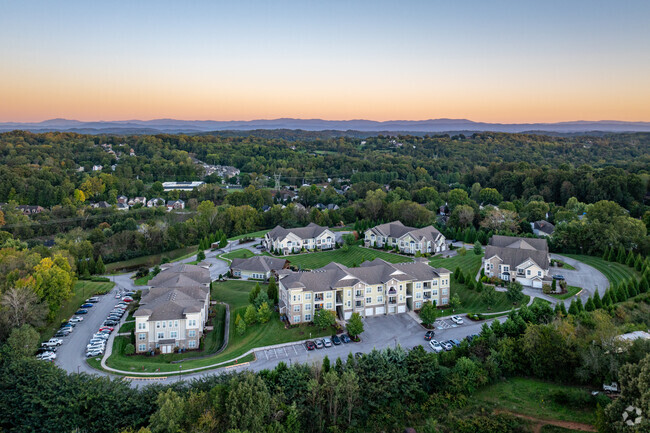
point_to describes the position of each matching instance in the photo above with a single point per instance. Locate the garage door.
(401, 308)
(537, 284)
(524, 281)
(380, 310)
(391, 309)
(370, 311)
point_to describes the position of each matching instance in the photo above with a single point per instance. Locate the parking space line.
(285, 352)
(294, 349)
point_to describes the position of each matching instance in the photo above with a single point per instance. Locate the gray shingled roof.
(172, 303)
(258, 264)
(544, 226)
(515, 250)
(376, 272)
(181, 275)
(396, 229)
(310, 231)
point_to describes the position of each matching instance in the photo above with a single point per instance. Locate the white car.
(435, 346)
(457, 320)
(94, 352)
(52, 342)
(101, 343)
(46, 356)
(76, 319)
(100, 335)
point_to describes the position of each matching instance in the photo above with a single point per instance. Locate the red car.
(310, 345)
(127, 299)
(109, 328)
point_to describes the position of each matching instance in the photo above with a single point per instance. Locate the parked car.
(87, 305)
(110, 323)
(76, 319)
(259, 247)
(68, 324)
(61, 333)
(558, 277)
(336, 340)
(327, 342)
(435, 346)
(46, 356)
(429, 335)
(94, 299)
(127, 299)
(81, 312)
(108, 328)
(100, 335)
(345, 338)
(118, 296)
(455, 342)
(457, 320)
(446, 345)
(94, 352)
(45, 349)
(52, 342)
(358, 355)
(319, 344)
(310, 345)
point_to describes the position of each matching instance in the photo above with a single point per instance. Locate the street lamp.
(78, 369)
(180, 371)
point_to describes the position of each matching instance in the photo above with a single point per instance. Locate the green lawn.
(615, 272)
(235, 293)
(536, 398)
(571, 290)
(127, 327)
(354, 256)
(470, 300)
(242, 253)
(151, 260)
(82, 290)
(540, 301)
(259, 234)
(142, 281)
(565, 265)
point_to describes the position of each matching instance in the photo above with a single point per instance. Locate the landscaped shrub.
(129, 349)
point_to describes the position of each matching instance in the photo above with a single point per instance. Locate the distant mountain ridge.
(371, 126)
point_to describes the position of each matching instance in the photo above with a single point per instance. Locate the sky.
(492, 61)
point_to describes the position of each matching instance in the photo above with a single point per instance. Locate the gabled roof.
(378, 271)
(172, 303)
(398, 230)
(309, 232)
(544, 226)
(514, 251)
(258, 264)
(181, 275)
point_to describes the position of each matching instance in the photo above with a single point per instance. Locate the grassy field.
(354, 256)
(540, 301)
(142, 281)
(235, 293)
(241, 253)
(127, 327)
(571, 290)
(536, 398)
(615, 272)
(82, 290)
(259, 234)
(565, 265)
(470, 300)
(151, 260)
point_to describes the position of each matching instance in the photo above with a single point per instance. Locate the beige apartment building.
(408, 240)
(374, 288)
(525, 260)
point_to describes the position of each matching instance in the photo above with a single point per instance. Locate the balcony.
(427, 296)
(392, 301)
(318, 306)
(318, 297)
(358, 295)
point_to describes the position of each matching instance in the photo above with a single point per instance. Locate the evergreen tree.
(223, 243)
(556, 310)
(589, 306)
(606, 253)
(579, 305)
(264, 313)
(613, 295)
(478, 249)
(200, 256)
(456, 273)
(563, 308)
(553, 285)
(638, 263)
(91, 266)
(573, 308)
(621, 293)
(461, 278)
(643, 285)
(620, 256)
(254, 293)
(99, 266)
(630, 259)
(612, 255)
(607, 299)
(597, 301)
(240, 325)
(326, 364)
(250, 316)
(272, 290)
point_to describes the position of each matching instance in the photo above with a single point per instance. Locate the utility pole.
(277, 181)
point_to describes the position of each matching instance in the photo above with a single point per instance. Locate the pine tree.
(638, 263)
(91, 266)
(606, 253)
(272, 290)
(563, 308)
(630, 259)
(620, 256)
(579, 304)
(326, 364)
(597, 301)
(456, 273)
(613, 294)
(461, 278)
(589, 306)
(556, 310)
(643, 285)
(607, 300)
(621, 293)
(573, 308)
(612, 255)
(99, 266)
(554, 285)
(223, 243)
(253, 293)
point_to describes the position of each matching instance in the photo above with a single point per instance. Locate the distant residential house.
(102, 205)
(257, 267)
(156, 202)
(123, 199)
(175, 204)
(29, 210)
(181, 186)
(525, 260)
(408, 240)
(98, 167)
(174, 312)
(330, 206)
(286, 195)
(311, 237)
(122, 206)
(542, 228)
(141, 200)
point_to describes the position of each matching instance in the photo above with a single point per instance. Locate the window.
(435, 293)
(328, 305)
(418, 285)
(157, 324)
(539, 273)
(307, 296)
(173, 334)
(141, 325)
(307, 307)
(142, 336)
(400, 287)
(307, 317)
(191, 323)
(161, 335)
(368, 289)
(349, 303)
(296, 319)
(191, 344)
(296, 308)
(444, 291)
(380, 299)
(401, 298)
(435, 282)
(528, 272)
(368, 300)
(163, 324)
(191, 333)
(418, 295)
(176, 323)
(418, 304)
(142, 347)
(170, 324)
(328, 295)
(379, 289)
(349, 293)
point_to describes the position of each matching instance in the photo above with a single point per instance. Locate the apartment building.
(174, 312)
(288, 241)
(374, 288)
(408, 240)
(525, 260)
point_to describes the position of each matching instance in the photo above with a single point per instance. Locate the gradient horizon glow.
(493, 61)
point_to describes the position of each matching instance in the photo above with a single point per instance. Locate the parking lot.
(281, 352)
